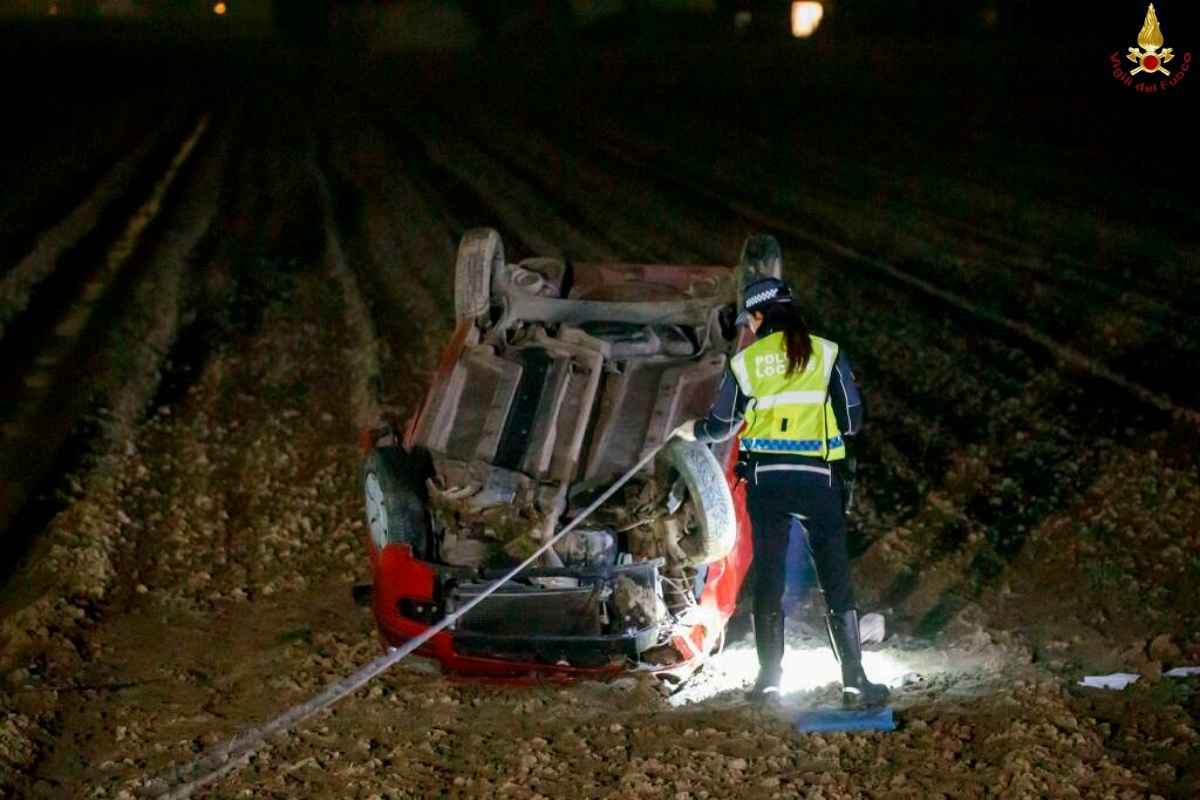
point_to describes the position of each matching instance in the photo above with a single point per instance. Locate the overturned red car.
(558, 378)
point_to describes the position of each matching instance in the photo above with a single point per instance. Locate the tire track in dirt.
(401, 251)
(623, 242)
(950, 299)
(522, 213)
(42, 395)
(242, 492)
(363, 355)
(644, 223)
(70, 166)
(21, 280)
(1127, 327)
(448, 195)
(134, 332)
(77, 559)
(203, 311)
(1074, 277)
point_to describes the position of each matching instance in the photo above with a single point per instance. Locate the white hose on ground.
(236, 752)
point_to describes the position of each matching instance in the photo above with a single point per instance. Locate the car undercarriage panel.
(617, 609)
(588, 651)
(641, 404)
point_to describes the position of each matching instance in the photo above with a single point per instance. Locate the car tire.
(761, 258)
(716, 532)
(394, 497)
(480, 261)
(762, 254)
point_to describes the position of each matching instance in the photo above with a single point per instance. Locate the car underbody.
(559, 378)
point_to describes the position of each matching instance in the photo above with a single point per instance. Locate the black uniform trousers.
(790, 497)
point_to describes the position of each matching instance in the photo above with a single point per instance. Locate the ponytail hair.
(787, 319)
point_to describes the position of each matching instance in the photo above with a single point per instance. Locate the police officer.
(797, 396)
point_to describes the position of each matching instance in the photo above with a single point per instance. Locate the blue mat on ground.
(836, 719)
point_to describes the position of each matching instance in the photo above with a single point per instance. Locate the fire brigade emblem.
(1148, 56)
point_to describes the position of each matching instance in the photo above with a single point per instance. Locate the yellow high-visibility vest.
(789, 413)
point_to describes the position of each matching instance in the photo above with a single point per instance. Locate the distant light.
(219, 9)
(806, 16)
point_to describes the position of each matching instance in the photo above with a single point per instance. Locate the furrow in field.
(1100, 308)
(66, 152)
(514, 202)
(44, 395)
(400, 247)
(955, 301)
(19, 282)
(638, 227)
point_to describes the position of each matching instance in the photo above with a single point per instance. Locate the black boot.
(768, 640)
(857, 691)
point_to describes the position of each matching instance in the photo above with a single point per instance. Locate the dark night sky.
(1044, 19)
(1053, 43)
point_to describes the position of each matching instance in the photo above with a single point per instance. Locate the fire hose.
(233, 754)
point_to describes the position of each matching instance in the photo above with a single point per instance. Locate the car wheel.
(761, 258)
(716, 523)
(394, 500)
(480, 260)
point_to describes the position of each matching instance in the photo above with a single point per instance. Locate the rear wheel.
(761, 258)
(762, 254)
(480, 261)
(395, 500)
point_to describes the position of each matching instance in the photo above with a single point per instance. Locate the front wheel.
(715, 529)
(394, 500)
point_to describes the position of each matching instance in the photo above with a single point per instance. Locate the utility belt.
(752, 465)
(752, 462)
